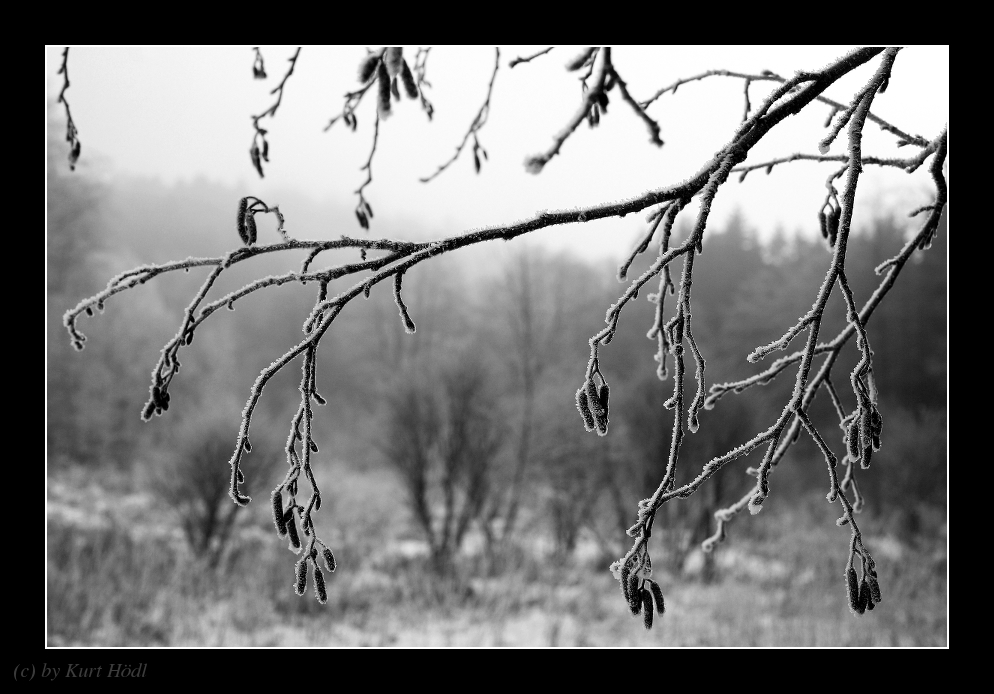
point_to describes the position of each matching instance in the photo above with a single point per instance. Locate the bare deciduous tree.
(443, 440)
(385, 260)
(193, 481)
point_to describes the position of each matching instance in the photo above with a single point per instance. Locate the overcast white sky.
(184, 113)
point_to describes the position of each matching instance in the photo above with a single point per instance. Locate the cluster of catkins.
(391, 70)
(863, 434)
(592, 401)
(157, 404)
(286, 526)
(829, 222)
(863, 593)
(641, 593)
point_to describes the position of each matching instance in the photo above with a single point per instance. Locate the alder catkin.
(646, 609)
(832, 222)
(862, 597)
(657, 595)
(291, 529)
(874, 588)
(604, 394)
(410, 86)
(383, 91)
(320, 591)
(393, 59)
(301, 575)
(240, 222)
(581, 404)
(367, 67)
(864, 462)
(852, 590)
(594, 399)
(634, 595)
(278, 517)
(329, 560)
(624, 582)
(865, 598)
(852, 442)
(250, 230)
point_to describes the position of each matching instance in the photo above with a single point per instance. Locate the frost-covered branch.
(910, 165)
(769, 76)
(382, 260)
(637, 561)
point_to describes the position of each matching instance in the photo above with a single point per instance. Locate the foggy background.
(144, 545)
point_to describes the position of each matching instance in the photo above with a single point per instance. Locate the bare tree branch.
(72, 135)
(768, 76)
(861, 427)
(257, 153)
(474, 128)
(530, 58)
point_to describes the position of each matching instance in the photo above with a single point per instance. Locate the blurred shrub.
(194, 479)
(443, 435)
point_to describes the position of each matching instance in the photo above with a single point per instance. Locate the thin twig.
(363, 211)
(72, 135)
(530, 58)
(261, 154)
(591, 96)
(474, 128)
(768, 76)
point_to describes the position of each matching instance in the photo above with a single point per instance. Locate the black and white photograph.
(495, 347)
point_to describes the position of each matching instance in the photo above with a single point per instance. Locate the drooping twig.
(261, 154)
(530, 58)
(863, 426)
(592, 95)
(595, 101)
(769, 76)
(72, 135)
(367, 77)
(420, 67)
(474, 128)
(363, 211)
(639, 111)
(388, 70)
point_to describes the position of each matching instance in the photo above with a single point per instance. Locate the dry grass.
(120, 575)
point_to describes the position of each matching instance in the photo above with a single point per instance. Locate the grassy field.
(120, 574)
